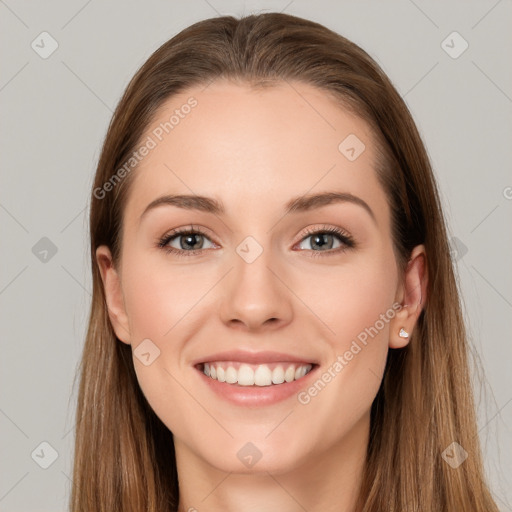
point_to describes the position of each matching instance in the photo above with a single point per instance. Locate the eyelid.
(188, 229)
(323, 228)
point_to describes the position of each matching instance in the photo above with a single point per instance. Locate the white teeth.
(245, 375)
(300, 372)
(221, 374)
(278, 375)
(231, 375)
(261, 376)
(289, 374)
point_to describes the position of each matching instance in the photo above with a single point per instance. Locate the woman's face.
(265, 292)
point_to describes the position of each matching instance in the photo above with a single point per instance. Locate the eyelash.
(345, 238)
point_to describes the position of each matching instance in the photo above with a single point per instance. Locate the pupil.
(322, 242)
(190, 240)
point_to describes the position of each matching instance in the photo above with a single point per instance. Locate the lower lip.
(256, 396)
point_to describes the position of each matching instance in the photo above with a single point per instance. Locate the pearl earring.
(403, 333)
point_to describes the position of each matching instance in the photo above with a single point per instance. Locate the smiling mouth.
(243, 374)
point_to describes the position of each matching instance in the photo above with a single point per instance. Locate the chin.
(252, 457)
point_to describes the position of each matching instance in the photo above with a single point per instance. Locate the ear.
(412, 297)
(113, 294)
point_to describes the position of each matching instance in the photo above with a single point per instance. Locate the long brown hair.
(124, 455)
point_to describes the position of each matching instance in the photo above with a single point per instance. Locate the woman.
(275, 322)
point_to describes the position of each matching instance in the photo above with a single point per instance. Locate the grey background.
(55, 112)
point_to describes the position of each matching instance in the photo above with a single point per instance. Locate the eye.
(187, 241)
(326, 238)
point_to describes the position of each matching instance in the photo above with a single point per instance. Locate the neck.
(327, 481)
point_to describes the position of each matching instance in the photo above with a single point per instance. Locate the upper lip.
(253, 357)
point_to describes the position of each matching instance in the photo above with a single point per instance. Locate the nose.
(256, 296)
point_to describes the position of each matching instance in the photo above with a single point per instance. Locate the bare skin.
(254, 151)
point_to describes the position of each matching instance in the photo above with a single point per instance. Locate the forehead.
(255, 148)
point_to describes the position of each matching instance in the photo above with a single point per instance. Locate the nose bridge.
(255, 295)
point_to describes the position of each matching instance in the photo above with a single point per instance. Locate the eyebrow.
(298, 204)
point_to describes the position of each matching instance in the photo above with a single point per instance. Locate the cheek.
(352, 297)
(358, 310)
(158, 297)
(356, 303)
(161, 302)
